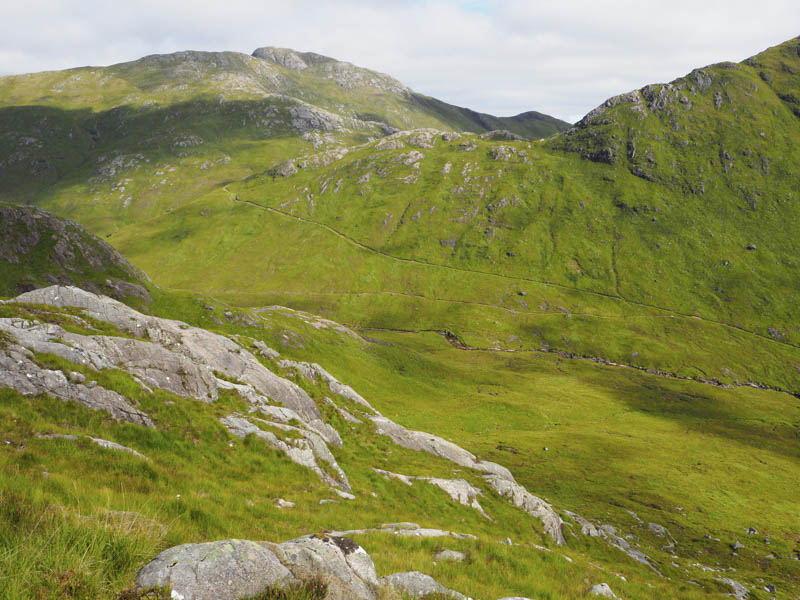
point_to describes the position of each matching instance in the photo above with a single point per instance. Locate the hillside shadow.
(702, 408)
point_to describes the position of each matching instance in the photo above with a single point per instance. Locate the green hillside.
(609, 312)
(529, 245)
(114, 145)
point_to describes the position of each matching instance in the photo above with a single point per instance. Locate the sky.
(560, 57)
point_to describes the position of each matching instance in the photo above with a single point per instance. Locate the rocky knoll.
(38, 249)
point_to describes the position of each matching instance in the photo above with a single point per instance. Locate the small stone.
(737, 545)
(450, 555)
(281, 503)
(328, 501)
(770, 588)
(751, 247)
(602, 589)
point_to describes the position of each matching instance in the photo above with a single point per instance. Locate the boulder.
(418, 585)
(340, 562)
(450, 555)
(235, 569)
(225, 570)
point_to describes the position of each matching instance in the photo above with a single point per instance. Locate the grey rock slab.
(225, 570)
(312, 372)
(602, 589)
(738, 590)
(20, 373)
(450, 555)
(418, 584)
(118, 447)
(459, 490)
(343, 564)
(305, 451)
(215, 352)
(347, 416)
(533, 505)
(155, 365)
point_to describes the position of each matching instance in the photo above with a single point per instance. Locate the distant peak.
(291, 59)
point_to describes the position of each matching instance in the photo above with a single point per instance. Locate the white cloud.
(497, 56)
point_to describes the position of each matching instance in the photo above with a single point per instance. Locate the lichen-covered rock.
(214, 351)
(602, 589)
(418, 585)
(225, 570)
(20, 373)
(341, 563)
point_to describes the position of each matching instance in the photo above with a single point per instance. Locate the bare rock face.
(307, 450)
(534, 506)
(154, 365)
(234, 569)
(433, 444)
(459, 490)
(215, 352)
(19, 372)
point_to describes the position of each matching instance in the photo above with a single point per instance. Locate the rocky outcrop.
(459, 490)
(153, 364)
(204, 348)
(234, 569)
(305, 448)
(738, 591)
(406, 530)
(55, 250)
(602, 589)
(609, 534)
(534, 506)
(108, 445)
(313, 373)
(19, 372)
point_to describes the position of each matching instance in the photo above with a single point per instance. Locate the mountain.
(423, 319)
(150, 135)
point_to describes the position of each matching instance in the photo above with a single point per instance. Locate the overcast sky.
(560, 57)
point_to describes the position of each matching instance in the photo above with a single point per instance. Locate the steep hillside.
(113, 145)
(534, 246)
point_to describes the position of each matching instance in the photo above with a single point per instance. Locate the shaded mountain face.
(37, 249)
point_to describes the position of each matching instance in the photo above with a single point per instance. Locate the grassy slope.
(685, 455)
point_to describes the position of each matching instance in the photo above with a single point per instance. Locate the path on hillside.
(616, 298)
